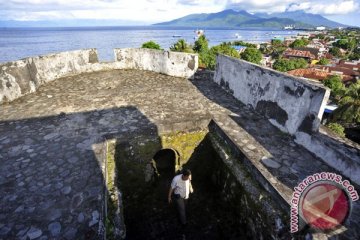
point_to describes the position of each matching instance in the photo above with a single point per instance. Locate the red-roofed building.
(310, 73)
(353, 65)
(291, 54)
(340, 70)
(318, 74)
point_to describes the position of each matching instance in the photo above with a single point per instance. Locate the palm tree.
(181, 46)
(348, 112)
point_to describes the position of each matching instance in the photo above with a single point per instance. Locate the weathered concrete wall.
(262, 210)
(25, 76)
(336, 153)
(292, 104)
(15, 80)
(166, 62)
(50, 67)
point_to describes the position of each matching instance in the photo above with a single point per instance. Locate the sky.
(153, 11)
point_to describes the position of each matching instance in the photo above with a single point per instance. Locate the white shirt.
(181, 187)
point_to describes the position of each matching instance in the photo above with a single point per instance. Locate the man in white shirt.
(181, 187)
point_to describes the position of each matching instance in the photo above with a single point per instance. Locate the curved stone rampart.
(24, 76)
(166, 62)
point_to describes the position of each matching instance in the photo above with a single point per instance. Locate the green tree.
(201, 44)
(252, 55)
(299, 63)
(348, 113)
(226, 49)
(337, 128)
(151, 45)
(355, 55)
(335, 84)
(321, 36)
(323, 61)
(181, 46)
(208, 58)
(245, 44)
(335, 51)
(347, 43)
(284, 65)
(276, 42)
(299, 43)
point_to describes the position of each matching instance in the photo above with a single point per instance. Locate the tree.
(320, 36)
(335, 84)
(356, 54)
(337, 128)
(276, 42)
(335, 51)
(208, 58)
(299, 43)
(299, 63)
(347, 43)
(201, 44)
(151, 45)
(245, 44)
(226, 49)
(348, 112)
(252, 55)
(284, 65)
(181, 46)
(323, 61)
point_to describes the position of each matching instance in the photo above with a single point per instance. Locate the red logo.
(324, 205)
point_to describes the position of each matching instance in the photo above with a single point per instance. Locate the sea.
(18, 43)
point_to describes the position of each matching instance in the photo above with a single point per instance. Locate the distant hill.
(232, 18)
(301, 16)
(227, 18)
(274, 23)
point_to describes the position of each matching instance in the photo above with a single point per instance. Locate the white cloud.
(268, 6)
(317, 6)
(139, 10)
(326, 7)
(157, 10)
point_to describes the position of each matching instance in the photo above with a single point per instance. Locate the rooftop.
(299, 53)
(52, 142)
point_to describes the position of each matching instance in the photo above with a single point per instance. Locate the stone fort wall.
(291, 104)
(24, 76)
(294, 105)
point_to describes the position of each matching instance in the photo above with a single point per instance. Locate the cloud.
(269, 6)
(150, 11)
(326, 7)
(157, 10)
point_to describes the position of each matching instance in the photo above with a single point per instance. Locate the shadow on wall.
(52, 180)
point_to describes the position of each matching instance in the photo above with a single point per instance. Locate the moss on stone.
(111, 198)
(183, 142)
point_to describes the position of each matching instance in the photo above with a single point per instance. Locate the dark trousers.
(181, 208)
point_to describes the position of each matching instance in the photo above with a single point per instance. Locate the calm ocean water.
(17, 43)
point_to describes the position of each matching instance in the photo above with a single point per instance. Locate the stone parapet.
(291, 104)
(170, 63)
(24, 76)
